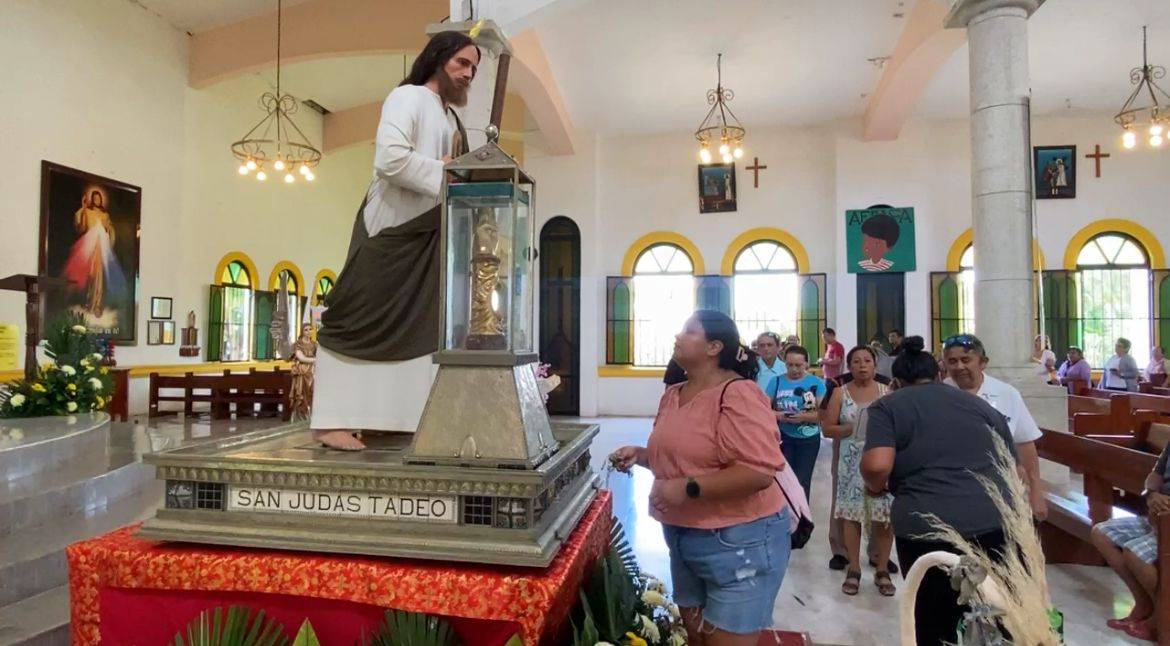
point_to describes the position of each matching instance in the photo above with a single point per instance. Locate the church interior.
(685, 156)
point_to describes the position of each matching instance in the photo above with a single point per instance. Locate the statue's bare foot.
(340, 440)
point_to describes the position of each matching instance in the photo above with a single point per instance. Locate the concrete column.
(1005, 306)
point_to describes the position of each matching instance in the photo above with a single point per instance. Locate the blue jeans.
(733, 573)
(801, 455)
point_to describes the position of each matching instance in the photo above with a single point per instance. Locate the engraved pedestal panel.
(279, 489)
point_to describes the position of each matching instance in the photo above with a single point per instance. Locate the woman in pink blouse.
(714, 452)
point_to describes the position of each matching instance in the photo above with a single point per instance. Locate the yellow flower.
(104, 370)
(71, 388)
(634, 640)
(38, 388)
(101, 403)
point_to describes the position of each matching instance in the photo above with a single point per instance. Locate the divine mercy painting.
(89, 236)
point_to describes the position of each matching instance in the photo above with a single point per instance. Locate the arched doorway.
(560, 311)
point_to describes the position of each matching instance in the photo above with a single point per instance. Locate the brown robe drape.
(385, 303)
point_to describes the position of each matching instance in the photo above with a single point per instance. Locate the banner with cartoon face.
(880, 240)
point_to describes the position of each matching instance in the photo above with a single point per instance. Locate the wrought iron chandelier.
(720, 124)
(1135, 113)
(277, 140)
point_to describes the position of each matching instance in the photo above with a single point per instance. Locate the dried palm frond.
(1018, 573)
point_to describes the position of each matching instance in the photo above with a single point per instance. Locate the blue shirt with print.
(797, 397)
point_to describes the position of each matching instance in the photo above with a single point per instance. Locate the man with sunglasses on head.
(966, 359)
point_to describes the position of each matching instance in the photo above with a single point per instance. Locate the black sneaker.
(891, 566)
(838, 562)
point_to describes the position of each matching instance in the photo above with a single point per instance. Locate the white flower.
(678, 639)
(649, 630)
(69, 370)
(97, 356)
(17, 400)
(71, 406)
(653, 598)
(603, 644)
(656, 585)
(673, 610)
(80, 329)
(96, 384)
(85, 363)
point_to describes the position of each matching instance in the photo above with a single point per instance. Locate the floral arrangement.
(623, 606)
(74, 381)
(545, 380)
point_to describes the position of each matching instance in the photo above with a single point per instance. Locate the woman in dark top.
(924, 442)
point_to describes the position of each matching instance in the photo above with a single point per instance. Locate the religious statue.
(190, 342)
(304, 355)
(486, 323)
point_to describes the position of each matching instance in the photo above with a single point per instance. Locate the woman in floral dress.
(853, 506)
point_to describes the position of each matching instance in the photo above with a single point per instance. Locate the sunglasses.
(965, 341)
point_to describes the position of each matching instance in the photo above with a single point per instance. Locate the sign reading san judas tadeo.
(880, 239)
(361, 504)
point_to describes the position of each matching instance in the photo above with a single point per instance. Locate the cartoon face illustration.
(878, 235)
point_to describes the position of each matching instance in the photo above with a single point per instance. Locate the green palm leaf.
(237, 628)
(402, 628)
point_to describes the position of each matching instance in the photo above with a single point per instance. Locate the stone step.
(33, 561)
(41, 620)
(69, 492)
(32, 446)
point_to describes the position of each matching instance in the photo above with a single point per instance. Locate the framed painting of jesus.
(1055, 172)
(89, 236)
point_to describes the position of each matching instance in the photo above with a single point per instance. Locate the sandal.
(884, 585)
(852, 583)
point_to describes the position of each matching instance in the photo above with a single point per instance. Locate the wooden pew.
(251, 393)
(1106, 467)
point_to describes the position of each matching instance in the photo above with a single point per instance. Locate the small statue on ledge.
(304, 355)
(190, 342)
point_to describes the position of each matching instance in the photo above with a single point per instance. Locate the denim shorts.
(733, 573)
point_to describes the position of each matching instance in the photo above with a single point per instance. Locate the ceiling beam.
(315, 29)
(924, 45)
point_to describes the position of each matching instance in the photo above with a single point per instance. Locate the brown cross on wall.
(1097, 156)
(755, 168)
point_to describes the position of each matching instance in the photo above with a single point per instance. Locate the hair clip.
(742, 355)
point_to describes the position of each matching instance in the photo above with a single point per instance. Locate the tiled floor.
(811, 599)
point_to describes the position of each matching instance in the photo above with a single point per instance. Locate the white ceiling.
(646, 65)
(198, 15)
(1080, 53)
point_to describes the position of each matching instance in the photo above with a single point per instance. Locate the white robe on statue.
(414, 133)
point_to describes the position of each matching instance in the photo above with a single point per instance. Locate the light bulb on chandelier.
(727, 159)
(243, 169)
(261, 176)
(705, 154)
(303, 170)
(738, 152)
(279, 164)
(289, 178)
(1156, 141)
(309, 176)
(1129, 139)
(251, 164)
(724, 148)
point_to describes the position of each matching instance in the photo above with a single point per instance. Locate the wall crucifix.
(1097, 156)
(755, 168)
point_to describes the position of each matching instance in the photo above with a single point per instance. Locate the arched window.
(1113, 276)
(664, 296)
(765, 289)
(293, 286)
(324, 286)
(966, 283)
(231, 313)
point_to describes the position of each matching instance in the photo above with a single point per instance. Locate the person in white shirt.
(1043, 357)
(767, 345)
(1121, 370)
(374, 370)
(966, 360)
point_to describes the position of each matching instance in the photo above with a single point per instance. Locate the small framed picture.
(1055, 172)
(160, 308)
(717, 188)
(160, 332)
(154, 332)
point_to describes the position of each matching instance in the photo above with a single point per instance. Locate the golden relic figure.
(486, 329)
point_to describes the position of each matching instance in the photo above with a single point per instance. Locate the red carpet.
(784, 638)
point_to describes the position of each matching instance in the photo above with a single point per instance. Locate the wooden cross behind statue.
(1097, 156)
(755, 168)
(33, 287)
